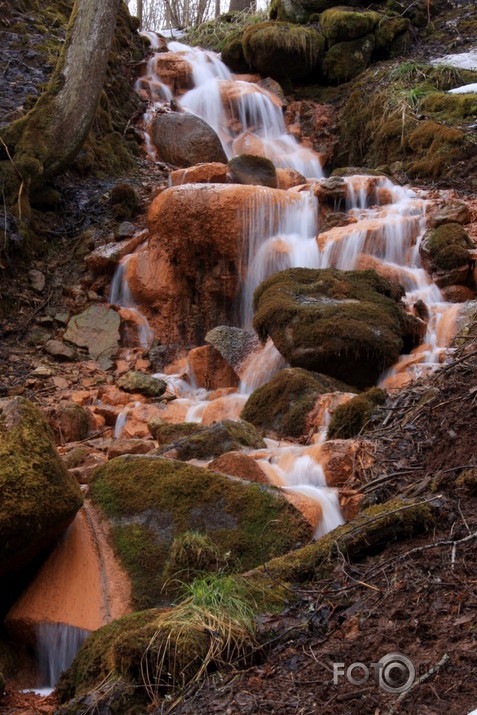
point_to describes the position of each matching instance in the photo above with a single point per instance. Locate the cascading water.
(242, 113)
(121, 295)
(57, 645)
(384, 230)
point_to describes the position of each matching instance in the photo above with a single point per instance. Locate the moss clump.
(347, 60)
(450, 108)
(191, 553)
(219, 438)
(356, 416)
(124, 201)
(232, 55)
(134, 381)
(256, 170)
(282, 50)
(166, 433)
(346, 324)
(342, 24)
(39, 497)
(283, 404)
(392, 36)
(150, 501)
(446, 247)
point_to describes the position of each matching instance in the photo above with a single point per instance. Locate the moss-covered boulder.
(232, 55)
(342, 24)
(446, 248)
(141, 383)
(283, 51)
(256, 170)
(70, 423)
(346, 60)
(350, 325)
(282, 405)
(392, 36)
(219, 438)
(39, 498)
(356, 416)
(151, 500)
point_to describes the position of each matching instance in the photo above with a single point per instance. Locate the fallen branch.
(435, 669)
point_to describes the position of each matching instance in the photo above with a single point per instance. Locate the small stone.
(62, 318)
(43, 371)
(125, 230)
(144, 384)
(59, 350)
(37, 280)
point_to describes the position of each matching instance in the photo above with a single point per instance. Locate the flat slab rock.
(97, 329)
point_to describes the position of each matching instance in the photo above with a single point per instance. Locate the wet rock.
(37, 280)
(167, 433)
(58, 350)
(283, 404)
(39, 497)
(458, 293)
(455, 212)
(332, 191)
(347, 324)
(237, 464)
(174, 71)
(105, 259)
(234, 344)
(208, 369)
(357, 415)
(186, 140)
(283, 51)
(445, 253)
(141, 383)
(287, 178)
(339, 459)
(232, 56)
(272, 86)
(211, 173)
(96, 329)
(152, 500)
(219, 438)
(250, 169)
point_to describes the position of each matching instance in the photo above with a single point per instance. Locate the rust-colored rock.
(105, 259)
(210, 370)
(458, 293)
(211, 173)
(240, 465)
(287, 178)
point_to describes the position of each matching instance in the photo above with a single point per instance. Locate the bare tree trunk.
(139, 13)
(49, 137)
(217, 8)
(242, 5)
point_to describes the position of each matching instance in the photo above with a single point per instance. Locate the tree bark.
(139, 13)
(48, 138)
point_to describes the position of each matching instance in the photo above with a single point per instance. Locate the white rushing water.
(57, 645)
(120, 294)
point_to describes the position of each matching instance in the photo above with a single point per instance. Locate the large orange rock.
(237, 464)
(188, 280)
(210, 370)
(212, 173)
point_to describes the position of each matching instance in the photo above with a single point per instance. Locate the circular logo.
(396, 673)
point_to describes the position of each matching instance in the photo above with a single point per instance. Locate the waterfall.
(57, 645)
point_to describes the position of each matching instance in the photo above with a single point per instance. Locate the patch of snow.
(465, 89)
(462, 60)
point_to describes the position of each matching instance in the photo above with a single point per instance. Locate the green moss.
(392, 35)
(342, 24)
(346, 60)
(450, 108)
(448, 246)
(283, 404)
(39, 497)
(356, 416)
(232, 55)
(282, 50)
(219, 438)
(150, 501)
(191, 553)
(346, 324)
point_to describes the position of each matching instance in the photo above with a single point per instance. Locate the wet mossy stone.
(186, 140)
(282, 405)
(446, 247)
(283, 51)
(147, 385)
(347, 60)
(167, 433)
(39, 496)
(392, 36)
(149, 501)
(255, 170)
(219, 438)
(356, 416)
(342, 24)
(350, 325)
(288, 11)
(232, 56)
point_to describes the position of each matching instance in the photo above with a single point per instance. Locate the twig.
(20, 191)
(435, 669)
